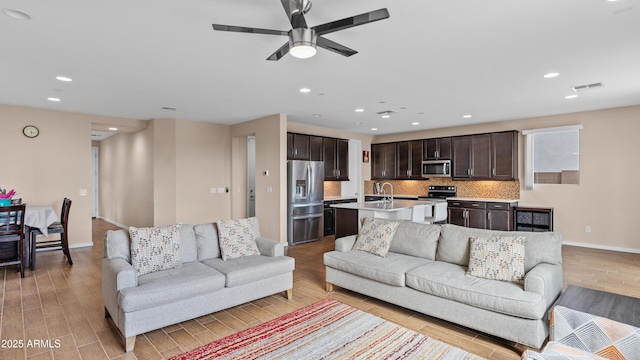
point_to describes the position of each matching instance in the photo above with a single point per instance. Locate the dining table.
(40, 217)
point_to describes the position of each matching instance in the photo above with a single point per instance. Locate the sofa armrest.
(270, 247)
(345, 243)
(117, 274)
(546, 280)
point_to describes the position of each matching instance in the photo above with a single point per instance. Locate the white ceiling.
(431, 61)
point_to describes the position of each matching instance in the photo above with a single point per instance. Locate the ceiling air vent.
(580, 88)
(386, 112)
(169, 108)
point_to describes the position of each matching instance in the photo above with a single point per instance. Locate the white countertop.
(329, 198)
(397, 195)
(511, 201)
(396, 205)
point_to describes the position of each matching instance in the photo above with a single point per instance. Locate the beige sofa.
(203, 284)
(425, 270)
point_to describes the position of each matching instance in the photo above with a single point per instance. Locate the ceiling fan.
(303, 39)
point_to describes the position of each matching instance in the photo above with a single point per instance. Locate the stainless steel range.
(442, 191)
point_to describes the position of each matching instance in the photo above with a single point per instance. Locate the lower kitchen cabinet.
(481, 214)
(346, 222)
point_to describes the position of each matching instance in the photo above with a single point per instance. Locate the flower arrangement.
(4, 194)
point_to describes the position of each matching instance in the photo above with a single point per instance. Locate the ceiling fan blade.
(245, 29)
(295, 10)
(334, 46)
(349, 22)
(284, 49)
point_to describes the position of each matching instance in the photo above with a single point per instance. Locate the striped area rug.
(327, 329)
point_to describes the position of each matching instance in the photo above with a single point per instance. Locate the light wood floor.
(62, 304)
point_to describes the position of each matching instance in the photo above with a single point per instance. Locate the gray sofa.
(202, 285)
(425, 271)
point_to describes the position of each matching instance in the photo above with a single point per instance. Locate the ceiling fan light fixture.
(302, 43)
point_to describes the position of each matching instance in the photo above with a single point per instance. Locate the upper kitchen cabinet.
(491, 156)
(383, 161)
(316, 149)
(336, 159)
(437, 149)
(409, 159)
(297, 146)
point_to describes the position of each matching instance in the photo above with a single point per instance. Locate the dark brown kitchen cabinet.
(480, 214)
(297, 146)
(437, 149)
(316, 149)
(409, 159)
(383, 161)
(504, 155)
(461, 161)
(336, 159)
(490, 156)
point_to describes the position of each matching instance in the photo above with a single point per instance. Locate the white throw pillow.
(497, 258)
(375, 236)
(237, 238)
(155, 248)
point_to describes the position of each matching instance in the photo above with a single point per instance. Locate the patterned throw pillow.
(237, 238)
(375, 236)
(497, 258)
(155, 248)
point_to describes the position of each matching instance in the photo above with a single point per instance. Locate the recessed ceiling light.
(113, 128)
(374, 129)
(571, 96)
(317, 115)
(386, 116)
(550, 75)
(53, 99)
(305, 90)
(16, 14)
(466, 116)
(64, 78)
(415, 123)
(359, 110)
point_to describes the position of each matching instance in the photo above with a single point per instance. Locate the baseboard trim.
(80, 245)
(113, 222)
(602, 247)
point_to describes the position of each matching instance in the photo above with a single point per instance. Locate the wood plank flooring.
(56, 312)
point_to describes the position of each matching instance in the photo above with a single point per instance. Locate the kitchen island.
(394, 210)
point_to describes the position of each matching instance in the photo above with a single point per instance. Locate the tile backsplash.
(333, 188)
(487, 189)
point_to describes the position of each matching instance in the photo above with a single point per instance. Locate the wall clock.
(30, 131)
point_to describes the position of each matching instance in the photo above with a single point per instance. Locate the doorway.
(94, 172)
(251, 176)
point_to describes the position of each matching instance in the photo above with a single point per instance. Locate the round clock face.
(30, 131)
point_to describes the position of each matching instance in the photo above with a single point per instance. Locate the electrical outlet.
(269, 189)
(587, 229)
(213, 190)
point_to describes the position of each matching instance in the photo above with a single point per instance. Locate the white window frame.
(528, 150)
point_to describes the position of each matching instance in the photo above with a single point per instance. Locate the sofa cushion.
(237, 238)
(375, 236)
(155, 248)
(207, 241)
(188, 247)
(449, 281)
(497, 258)
(169, 286)
(248, 269)
(416, 239)
(390, 270)
(540, 247)
(117, 245)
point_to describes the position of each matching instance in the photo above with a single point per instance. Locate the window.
(552, 156)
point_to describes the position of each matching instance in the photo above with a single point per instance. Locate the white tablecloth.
(40, 216)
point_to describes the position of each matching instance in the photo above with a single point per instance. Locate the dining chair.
(12, 236)
(52, 245)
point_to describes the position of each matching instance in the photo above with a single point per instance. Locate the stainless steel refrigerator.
(305, 195)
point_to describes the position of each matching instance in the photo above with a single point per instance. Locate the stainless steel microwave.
(436, 168)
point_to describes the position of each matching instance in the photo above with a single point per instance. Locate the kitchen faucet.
(386, 198)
